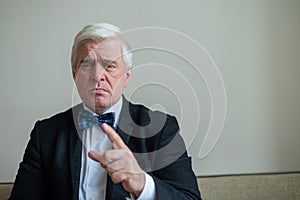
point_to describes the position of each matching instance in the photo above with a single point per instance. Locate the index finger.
(115, 139)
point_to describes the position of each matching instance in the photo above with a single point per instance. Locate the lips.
(99, 91)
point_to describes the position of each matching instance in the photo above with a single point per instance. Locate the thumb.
(95, 155)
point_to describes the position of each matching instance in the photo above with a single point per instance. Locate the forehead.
(107, 48)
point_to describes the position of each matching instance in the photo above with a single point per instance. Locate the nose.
(98, 73)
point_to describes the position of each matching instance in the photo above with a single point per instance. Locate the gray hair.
(97, 32)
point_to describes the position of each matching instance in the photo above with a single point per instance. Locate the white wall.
(255, 45)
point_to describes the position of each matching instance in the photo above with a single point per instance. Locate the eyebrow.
(102, 60)
(86, 59)
(108, 61)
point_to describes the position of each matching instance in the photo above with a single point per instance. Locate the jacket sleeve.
(177, 179)
(28, 182)
(176, 182)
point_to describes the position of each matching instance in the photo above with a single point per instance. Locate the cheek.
(111, 81)
(120, 84)
(81, 80)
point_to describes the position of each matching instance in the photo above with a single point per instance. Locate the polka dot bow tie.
(86, 119)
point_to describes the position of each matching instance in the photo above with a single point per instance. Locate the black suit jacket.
(52, 160)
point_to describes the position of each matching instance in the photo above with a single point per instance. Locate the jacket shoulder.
(143, 115)
(56, 120)
(60, 119)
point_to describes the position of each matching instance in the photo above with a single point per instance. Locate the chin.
(102, 105)
(103, 100)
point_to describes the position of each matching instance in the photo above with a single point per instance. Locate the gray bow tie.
(86, 119)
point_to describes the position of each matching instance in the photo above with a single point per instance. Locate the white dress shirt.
(92, 184)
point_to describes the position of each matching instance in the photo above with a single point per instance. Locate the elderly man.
(106, 147)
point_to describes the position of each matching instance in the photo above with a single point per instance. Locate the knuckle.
(107, 155)
(117, 177)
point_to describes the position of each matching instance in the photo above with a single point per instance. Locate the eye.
(86, 63)
(110, 66)
(112, 69)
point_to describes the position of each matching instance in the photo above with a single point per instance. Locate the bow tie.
(86, 119)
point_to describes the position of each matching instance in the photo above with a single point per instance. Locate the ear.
(74, 72)
(127, 76)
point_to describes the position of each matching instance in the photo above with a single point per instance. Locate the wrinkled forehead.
(110, 49)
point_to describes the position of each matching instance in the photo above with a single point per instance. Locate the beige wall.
(255, 45)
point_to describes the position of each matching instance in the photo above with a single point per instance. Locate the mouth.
(99, 91)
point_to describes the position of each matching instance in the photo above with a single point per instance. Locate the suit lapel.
(75, 152)
(125, 124)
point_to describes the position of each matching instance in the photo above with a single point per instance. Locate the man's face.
(99, 75)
